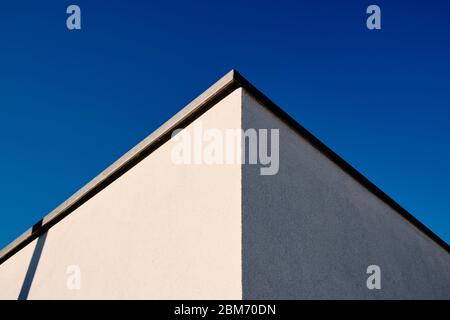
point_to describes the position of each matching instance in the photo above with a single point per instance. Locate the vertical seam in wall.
(242, 197)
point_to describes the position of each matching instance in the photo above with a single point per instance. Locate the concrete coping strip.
(231, 81)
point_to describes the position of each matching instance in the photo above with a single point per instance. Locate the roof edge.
(199, 105)
(225, 85)
(339, 161)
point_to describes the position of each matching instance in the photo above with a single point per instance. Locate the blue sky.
(72, 102)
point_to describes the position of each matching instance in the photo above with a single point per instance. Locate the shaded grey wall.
(311, 231)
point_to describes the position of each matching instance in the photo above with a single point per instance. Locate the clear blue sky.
(72, 102)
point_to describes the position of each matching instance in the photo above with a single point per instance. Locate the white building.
(150, 228)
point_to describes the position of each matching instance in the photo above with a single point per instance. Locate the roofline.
(228, 83)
